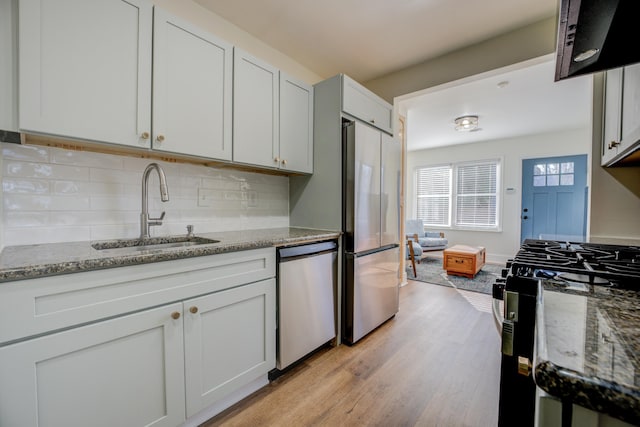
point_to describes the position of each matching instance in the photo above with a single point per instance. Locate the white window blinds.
(464, 195)
(476, 195)
(433, 186)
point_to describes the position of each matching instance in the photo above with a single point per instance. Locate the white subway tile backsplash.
(25, 153)
(20, 236)
(26, 219)
(117, 176)
(86, 159)
(23, 185)
(45, 171)
(54, 195)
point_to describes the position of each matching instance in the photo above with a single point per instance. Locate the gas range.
(574, 267)
(591, 263)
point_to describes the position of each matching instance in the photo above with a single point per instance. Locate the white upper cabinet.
(611, 133)
(125, 72)
(192, 89)
(630, 106)
(85, 69)
(296, 125)
(360, 102)
(8, 65)
(621, 128)
(255, 111)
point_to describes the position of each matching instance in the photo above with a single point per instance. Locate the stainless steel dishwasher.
(307, 277)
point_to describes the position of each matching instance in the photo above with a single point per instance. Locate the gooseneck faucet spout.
(145, 221)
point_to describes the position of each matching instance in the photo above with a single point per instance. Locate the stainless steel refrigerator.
(371, 188)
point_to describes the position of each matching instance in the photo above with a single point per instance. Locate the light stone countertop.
(32, 261)
(588, 347)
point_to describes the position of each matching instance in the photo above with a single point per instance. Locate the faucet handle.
(158, 219)
(189, 230)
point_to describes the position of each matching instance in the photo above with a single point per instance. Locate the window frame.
(453, 194)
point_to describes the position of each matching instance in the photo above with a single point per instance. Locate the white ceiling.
(530, 103)
(367, 39)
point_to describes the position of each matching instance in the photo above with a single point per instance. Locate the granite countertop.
(32, 261)
(588, 347)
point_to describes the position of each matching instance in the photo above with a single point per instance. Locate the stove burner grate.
(619, 264)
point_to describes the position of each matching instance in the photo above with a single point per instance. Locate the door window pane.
(566, 167)
(539, 181)
(553, 168)
(566, 179)
(553, 180)
(540, 169)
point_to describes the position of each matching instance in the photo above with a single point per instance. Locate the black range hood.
(595, 35)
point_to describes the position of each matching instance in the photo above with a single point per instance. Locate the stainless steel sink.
(155, 243)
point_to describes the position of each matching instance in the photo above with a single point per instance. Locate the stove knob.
(498, 290)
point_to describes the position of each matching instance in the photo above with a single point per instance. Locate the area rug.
(430, 270)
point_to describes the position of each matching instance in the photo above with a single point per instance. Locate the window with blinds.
(463, 195)
(476, 195)
(433, 185)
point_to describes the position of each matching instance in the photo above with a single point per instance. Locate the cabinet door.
(229, 341)
(255, 111)
(360, 102)
(296, 125)
(8, 65)
(85, 69)
(192, 84)
(126, 371)
(630, 107)
(612, 114)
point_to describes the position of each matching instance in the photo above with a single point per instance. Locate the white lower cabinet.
(126, 371)
(229, 340)
(205, 330)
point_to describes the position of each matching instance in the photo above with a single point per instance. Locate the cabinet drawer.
(36, 306)
(459, 263)
(360, 102)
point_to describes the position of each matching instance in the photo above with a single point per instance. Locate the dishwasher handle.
(292, 252)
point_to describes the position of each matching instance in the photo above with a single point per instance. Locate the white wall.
(503, 244)
(57, 195)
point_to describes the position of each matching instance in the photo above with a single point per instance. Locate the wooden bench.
(461, 260)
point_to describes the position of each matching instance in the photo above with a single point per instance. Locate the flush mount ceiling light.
(466, 123)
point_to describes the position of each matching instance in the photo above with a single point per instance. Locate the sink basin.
(140, 245)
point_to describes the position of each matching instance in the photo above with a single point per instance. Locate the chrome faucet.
(145, 221)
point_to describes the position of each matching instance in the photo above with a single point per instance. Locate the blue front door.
(554, 198)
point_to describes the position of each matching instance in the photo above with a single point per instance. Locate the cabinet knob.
(613, 144)
(160, 138)
(144, 135)
(276, 159)
(193, 309)
(175, 315)
(284, 162)
(372, 121)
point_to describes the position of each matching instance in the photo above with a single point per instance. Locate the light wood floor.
(437, 363)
